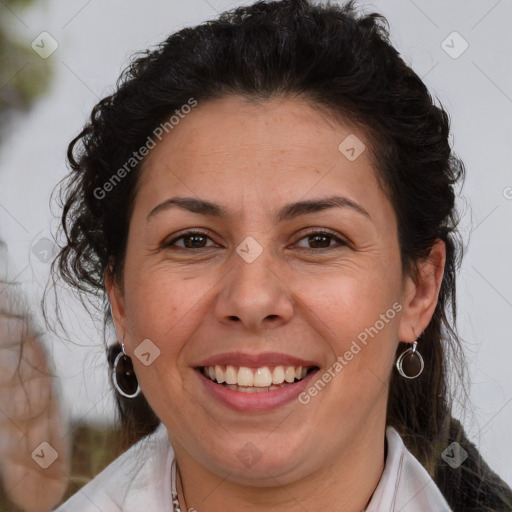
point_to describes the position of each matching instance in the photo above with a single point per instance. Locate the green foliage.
(24, 75)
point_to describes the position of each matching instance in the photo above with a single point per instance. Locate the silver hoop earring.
(410, 363)
(123, 376)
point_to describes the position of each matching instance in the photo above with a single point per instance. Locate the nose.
(255, 295)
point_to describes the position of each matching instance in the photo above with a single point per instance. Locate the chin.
(258, 462)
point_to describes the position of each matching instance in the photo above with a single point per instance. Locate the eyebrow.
(288, 212)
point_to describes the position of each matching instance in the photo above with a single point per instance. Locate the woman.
(267, 205)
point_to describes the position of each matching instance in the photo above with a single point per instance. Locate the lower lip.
(257, 401)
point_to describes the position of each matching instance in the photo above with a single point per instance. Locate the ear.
(419, 298)
(116, 298)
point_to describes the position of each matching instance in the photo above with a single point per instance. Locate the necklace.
(176, 476)
(174, 492)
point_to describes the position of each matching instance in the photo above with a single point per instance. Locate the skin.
(297, 298)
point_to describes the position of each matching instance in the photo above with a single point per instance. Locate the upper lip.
(255, 360)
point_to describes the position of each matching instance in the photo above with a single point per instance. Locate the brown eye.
(191, 240)
(322, 240)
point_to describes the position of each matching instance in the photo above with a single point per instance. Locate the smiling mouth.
(256, 380)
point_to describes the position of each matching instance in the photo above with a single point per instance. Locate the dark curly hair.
(342, 61)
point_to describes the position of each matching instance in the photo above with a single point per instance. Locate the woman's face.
(271, 283)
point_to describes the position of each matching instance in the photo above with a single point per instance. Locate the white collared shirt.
(141, 480)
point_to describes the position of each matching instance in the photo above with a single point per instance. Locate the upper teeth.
(259, 377)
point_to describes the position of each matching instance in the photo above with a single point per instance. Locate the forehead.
(275, 150)
(234, 124)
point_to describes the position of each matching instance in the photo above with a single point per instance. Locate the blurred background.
(59, 58)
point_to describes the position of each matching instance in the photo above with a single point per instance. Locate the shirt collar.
(143, 478)
(405, 485)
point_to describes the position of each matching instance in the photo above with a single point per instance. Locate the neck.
(347, 484)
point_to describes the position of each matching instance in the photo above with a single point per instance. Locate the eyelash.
(321, 232)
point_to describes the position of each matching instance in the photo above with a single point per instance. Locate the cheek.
(151, 314)
(159, 304)
(356, 314)
(158, 308)
(348, 302)
(358, 322)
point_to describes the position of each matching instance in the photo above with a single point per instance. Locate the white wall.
(95, 40)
